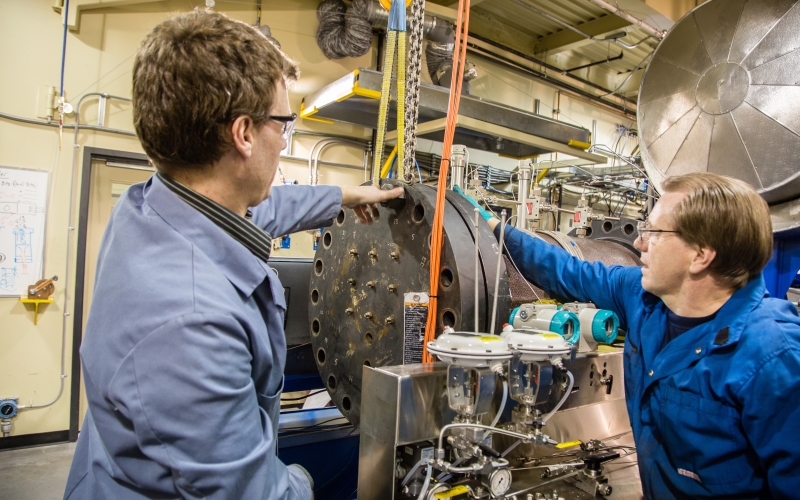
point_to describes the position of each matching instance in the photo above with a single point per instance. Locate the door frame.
(90, 155)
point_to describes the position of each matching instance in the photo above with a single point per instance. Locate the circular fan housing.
(722, 95)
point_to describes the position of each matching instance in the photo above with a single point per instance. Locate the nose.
(639, 244)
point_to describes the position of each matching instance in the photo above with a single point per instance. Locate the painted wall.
(99, 59)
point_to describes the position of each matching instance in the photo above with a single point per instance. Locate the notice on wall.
(23, 212)
(415, 315)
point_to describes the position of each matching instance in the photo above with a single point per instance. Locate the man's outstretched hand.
(364, 199)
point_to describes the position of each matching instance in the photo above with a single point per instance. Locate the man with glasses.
(184, 350)
(712, 364)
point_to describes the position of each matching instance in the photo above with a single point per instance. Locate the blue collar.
(243, 269)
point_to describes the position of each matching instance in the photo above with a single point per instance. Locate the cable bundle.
(459, 59)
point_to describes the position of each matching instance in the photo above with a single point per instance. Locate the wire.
(303, 397)
(298, 346)
(459, 59)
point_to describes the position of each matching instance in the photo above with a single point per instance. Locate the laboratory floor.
(38, 473)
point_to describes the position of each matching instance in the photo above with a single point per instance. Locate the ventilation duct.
(347, 32)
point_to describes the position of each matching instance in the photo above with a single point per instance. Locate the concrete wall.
(99, 59)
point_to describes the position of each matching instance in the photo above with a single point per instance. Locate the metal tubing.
(477, 265)
(497, 274)
(628, 17)
(333, 142)
(542, 64)
(524, 174)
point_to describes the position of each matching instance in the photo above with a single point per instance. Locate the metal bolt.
(353, 252)
(352, 281)
(368, 315)
(698, 350)
(392, 287)
(349, 310)
(393, 255)
(389, 320)
(523, 314)
(651, 373)
(371, 284)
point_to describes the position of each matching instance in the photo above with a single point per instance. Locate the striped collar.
(241, 229)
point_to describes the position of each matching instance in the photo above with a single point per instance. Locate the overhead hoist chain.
(395, 41)
(412, 86)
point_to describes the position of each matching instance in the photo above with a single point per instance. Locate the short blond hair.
(727, 215)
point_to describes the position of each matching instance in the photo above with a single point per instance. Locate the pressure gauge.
(499, 482)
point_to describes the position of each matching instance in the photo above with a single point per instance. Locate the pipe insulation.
(347, 32)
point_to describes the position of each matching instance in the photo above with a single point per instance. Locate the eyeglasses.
(644, 232)
(288, 123)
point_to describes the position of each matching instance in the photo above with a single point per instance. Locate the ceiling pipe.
(550, 67)
(581, 33)
(593, 99)
(628, 17)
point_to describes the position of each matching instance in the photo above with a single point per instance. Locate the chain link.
(414, 67)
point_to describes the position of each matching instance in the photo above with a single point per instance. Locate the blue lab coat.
(184, 353)
(716, 413)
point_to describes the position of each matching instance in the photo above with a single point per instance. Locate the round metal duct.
(722, 95)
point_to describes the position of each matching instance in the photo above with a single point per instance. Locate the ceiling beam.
(472, 3)
(566, 39)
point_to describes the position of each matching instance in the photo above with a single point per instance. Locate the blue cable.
(391, 168)
(419, 172)
(64, 45)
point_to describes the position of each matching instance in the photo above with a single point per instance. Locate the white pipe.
(316, 152)
(497, 274)
(477, 266)
(70, 229)
(502, 404)
(560, 403)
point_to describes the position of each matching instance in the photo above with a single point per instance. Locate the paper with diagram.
(23, 214)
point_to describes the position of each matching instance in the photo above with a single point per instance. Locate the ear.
(703, 258)
(242, 134)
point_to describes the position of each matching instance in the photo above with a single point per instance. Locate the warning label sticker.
(415, 315)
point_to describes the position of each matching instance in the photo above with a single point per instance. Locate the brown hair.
(727, 215)
(193, 75)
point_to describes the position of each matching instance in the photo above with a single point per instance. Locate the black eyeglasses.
(645, 233)
(288, 123)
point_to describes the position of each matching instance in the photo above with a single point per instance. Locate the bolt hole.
(591, 374)
(446, 278)
(346, 403)
(591, 383)
(449, 318)
(605, 364)
(321, 356)
(315, 296)
(367, 363)
(628, 229)
(607, 226)
(327, 238)
(315, 327)
(368, 338)
(340, 217)
(419, 213)
(605, 372)
(588, 231)
(332, 382)
(318, 267)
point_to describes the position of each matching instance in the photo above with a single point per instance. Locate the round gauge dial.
(500, 481)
